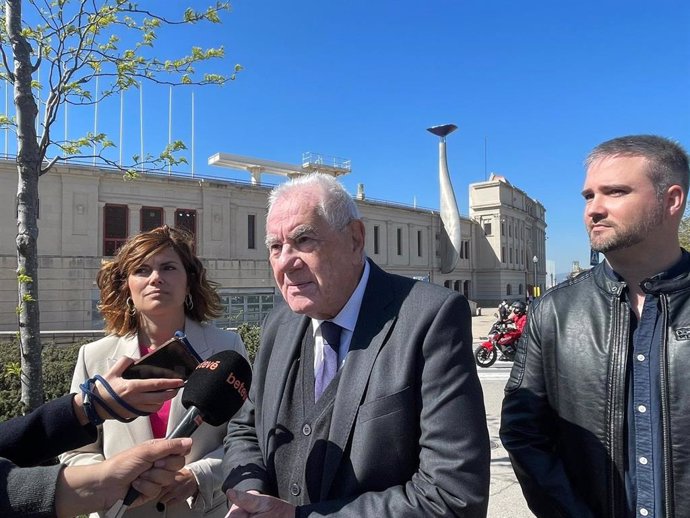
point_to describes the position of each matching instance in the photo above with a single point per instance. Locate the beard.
(627, 234)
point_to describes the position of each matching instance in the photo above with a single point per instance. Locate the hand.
(146, 395)
(182, 487)
(146, 467)
(254, 504)
(149, 467)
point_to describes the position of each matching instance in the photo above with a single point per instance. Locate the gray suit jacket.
(205, 458)
(408, 434)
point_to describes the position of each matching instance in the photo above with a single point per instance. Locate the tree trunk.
(28, 168)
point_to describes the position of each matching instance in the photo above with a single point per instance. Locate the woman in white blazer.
(154, 287)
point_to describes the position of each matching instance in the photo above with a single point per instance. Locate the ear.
(675, 200)
(357, 233)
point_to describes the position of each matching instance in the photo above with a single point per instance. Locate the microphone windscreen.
(218, 386)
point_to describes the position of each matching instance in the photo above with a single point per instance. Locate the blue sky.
(539, 82)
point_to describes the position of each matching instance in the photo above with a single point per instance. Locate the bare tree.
(79, 41)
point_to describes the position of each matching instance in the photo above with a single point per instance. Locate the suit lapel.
(197, 337)
(374, 322)
(287, 343)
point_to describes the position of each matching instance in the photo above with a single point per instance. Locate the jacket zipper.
(665, 426)
(618, 368)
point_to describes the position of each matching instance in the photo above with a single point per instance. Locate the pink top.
(159, 420)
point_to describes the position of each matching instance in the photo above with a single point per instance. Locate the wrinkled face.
(158, 286)
(315, 266)
(621, 204)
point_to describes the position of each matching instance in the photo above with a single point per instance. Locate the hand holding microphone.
(214, 392)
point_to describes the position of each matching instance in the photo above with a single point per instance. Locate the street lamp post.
(535, 260)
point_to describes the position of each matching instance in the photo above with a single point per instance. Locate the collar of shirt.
(347, 319)
(681, 267)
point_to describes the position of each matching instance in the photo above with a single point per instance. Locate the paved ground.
(505, 499)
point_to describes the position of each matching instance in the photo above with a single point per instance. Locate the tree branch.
(45, 169)
(10, 74)
(38, 61)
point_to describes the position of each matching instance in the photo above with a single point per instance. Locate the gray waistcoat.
(302, 428)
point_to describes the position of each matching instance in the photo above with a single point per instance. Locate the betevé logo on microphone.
(237, 385)
(231, 380)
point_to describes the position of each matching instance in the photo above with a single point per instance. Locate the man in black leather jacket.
(596, 416)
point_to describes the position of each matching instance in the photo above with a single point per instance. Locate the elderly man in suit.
(365, 400)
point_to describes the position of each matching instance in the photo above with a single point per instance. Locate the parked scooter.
(501, 339)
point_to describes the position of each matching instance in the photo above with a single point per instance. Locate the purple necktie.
(326, 371)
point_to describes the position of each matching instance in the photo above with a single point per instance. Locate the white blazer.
(204, 460)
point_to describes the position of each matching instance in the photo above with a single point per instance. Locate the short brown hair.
(668, 161)
(112, 278)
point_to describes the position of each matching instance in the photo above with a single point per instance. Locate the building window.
(467, 249)
(487, 229)
(114, 228)
(520, 289)
(251, 231)
(399, 234)
(419, 243)
(186, 219)
(511, 255)
(509, 289)
(376, 239)
(151, 217)
(503, 254)
(503, 228)
(239, 308)
(510, 230)
(448, 284)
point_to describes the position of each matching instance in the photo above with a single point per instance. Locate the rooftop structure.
(311, 162)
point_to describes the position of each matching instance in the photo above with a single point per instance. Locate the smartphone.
(174, 359)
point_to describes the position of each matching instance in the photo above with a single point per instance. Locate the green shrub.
(250, 334)
(58, 367)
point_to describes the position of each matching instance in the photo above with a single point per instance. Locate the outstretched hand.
(147, 467)
(253, 504)
(183, 486)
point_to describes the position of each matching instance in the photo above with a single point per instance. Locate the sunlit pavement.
(505, 496)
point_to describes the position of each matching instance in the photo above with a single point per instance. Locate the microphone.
(214, 392)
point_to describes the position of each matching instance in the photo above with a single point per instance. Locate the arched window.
(509, 289)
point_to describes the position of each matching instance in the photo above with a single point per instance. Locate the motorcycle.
(501, 339)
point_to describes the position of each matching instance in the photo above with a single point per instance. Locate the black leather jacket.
(563, 420)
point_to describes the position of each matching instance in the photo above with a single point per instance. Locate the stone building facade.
(86, 212)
